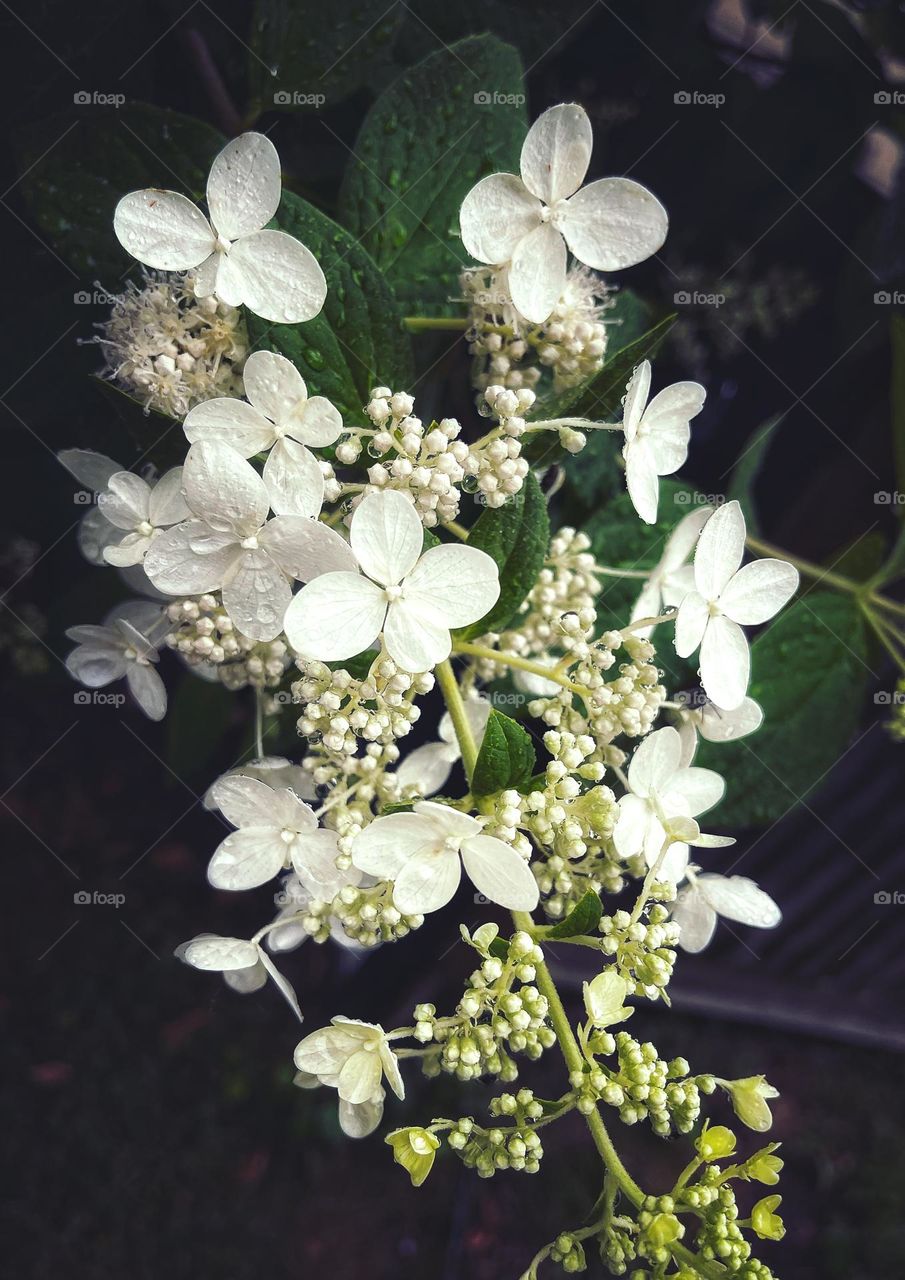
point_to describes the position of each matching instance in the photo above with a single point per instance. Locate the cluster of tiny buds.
(643, 1086)
(429, 465)
(488, 1151)
(366, 915)
(494, 335)
(495, 467)
(644, 952)
(340, 709)
(203, 633)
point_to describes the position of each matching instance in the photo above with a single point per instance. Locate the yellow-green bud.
(765, 1223)
(414, 1149)
(664, 1229)
(715, 1143)
(749, 1101)
(604, 999)
(764, 1168)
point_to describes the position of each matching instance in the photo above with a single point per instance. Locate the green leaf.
(516, 536)
(423, 145)
(357, 667)
(809, 673)
(308, 56)
(897, 398)
(506, 757)
(357, 341)
(582, 919)
(748, 468)
(73, 180)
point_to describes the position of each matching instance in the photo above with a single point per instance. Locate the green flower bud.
(765, 1223)
(604, 999)
(749, 1101)
(414, 1149)
(764, 1167)
(665, 1229)
(715, 1143)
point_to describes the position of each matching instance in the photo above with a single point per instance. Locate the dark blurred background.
(150, 1121)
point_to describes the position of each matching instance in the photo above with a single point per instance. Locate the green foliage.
(582, 919)
(516, 536)
(73, 189)
(357, 340)
(425, 142)
(506, 757)
(809, 673)
(748, 468)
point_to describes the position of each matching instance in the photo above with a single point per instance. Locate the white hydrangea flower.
(121, 648)
(351, 1057)
(662, 790)
(275, 830)
(232, 547)
(269, 272)
(245, 966)
(656, 435)
(529, 221)
(276, 771)
(356, 1119)
(413, 599)
(715, 725)
(141, 510)
(427, 768)
(93, 470)
(708, 895)
(725, 598)
(423, 852)
(280, 417)
(671, 577)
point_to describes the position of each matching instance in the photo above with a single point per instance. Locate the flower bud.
(414, 1149)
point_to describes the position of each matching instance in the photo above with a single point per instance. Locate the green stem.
(522, 664)
(449, 687)
(259, 724)
(887, 637)
(424, 324)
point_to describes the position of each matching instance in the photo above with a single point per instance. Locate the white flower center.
(392, 593)
(145, 529)
(451, 844)
(222, 245)
(713, 608)
(287, 835)
(249, 544)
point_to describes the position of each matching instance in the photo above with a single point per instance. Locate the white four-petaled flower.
(413, 599)
(232, 256)
(423, 853)
(278, 416)
(726, 597)
(709, 895)
(656, 435)
(233, 547)
(714, 724)
(529, 221)
(121, 648)
(140, 510)
(351, 1057)
(671, 577)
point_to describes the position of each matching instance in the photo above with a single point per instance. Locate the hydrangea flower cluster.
(353, 573)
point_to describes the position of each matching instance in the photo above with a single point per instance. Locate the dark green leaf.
(357, 667)
(73, 189)
(517, 536)
(423, 145)
(582, 919)
(747, 469)
(499, 948)
(358, 340)
(506, 757)
(809, 673)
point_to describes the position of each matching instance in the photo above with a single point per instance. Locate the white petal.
(147, 689)
(641, 479)
(390, 1064)
(614, 223)
(695, 917)
(163, 229)
(427, 768)
(386, 536)
(725, 662)
(243, 189)
(759, 590)
(654, 762)
(496, 214)
(720, 550)
(231, 422)
(359, 1078)
(691, 623)
(247, 858)
(669, 448)
(384, 846)
(96, 667)
(219, 954)
(204, 282)
(681, 542)
(282, 983)
(324, 1052)
(461, 584)
(674, 864)
(689, 736)
(224, 490)
(740, 899)
(677, 584)
(647, 605)
(447, 821)
(636, 393)
(414, 637)
(359, 1119)
(675, 405)
(229, 282)
(125, 500)
(91, 469)
(336, 616)
(630, 831)
(500, 873)
(273, 385)
(294, 480)
(243, 801)
(305, 549)
(556, 152)
(257, 595)
(700, 789)
(94, 535)
(246, 981)
(537, 275)
(314, 860)
(167, 504)
(174, 567)
(129, 552)
(320, 423)
(281, 279)
(717, 725)
(427, 882)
